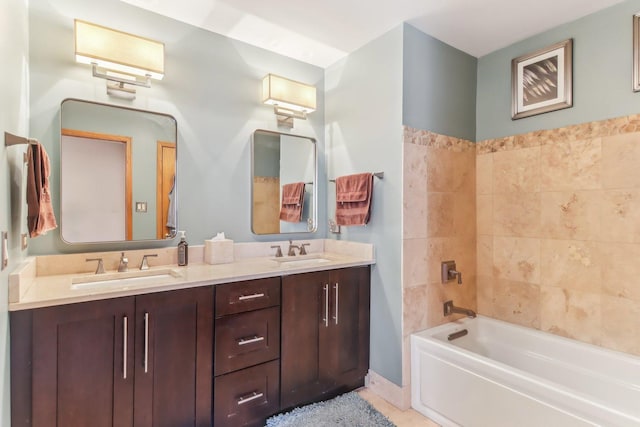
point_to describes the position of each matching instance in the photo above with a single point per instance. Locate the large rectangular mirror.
(117, 173)
(284, 180)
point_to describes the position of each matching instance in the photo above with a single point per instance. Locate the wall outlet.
(333, 227)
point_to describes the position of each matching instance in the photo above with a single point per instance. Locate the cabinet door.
(304, 327)
(174, 332)
(83, 364)
(347, 348)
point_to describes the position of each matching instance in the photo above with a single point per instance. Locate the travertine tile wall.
(266, 205)
(439, 224)
(558, 222)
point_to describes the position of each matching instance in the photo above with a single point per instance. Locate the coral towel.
(40, 216)
(353, 199)
(292, 201)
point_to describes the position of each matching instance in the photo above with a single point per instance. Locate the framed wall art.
(542, 81)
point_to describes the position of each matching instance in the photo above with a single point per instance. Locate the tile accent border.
(589, 130)
(436, 140)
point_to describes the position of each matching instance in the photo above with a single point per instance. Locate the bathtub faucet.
(450, 309)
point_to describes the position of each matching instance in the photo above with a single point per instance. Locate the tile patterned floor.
(408, 418)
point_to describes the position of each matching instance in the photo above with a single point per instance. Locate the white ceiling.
(322, 32)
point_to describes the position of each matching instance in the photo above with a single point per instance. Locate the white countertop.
(51, 290)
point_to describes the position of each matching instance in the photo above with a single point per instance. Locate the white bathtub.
(501, 374)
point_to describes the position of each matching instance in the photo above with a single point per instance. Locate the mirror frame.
(314, 199)
(137, 110)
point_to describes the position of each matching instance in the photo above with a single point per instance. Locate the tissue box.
(218, 251)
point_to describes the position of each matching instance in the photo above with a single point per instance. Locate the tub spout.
(450, 309)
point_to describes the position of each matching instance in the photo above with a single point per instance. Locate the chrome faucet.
(292, 252)
(450, 309)
(449, 272)
(100, 268)
(124, 263)
(144, 265)
(303, 251)
(278, 250)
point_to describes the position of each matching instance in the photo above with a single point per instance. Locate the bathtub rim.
(512, 377)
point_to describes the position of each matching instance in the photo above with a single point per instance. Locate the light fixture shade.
(288, 94)
(118, 51)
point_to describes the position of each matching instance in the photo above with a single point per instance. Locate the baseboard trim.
(400, 397)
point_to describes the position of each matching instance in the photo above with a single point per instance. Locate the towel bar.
(11, 139)
(376, 174)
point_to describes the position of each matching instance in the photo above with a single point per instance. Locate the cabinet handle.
(256, 338)
(249, 297)
(336, 288)
(326, 306)
(247, 399)
(125, 338)
(146, 343)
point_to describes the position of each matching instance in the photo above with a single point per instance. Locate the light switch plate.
(141, 207)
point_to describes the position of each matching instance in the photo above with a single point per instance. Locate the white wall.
(14, 115)
(363, 133)
(93, 189)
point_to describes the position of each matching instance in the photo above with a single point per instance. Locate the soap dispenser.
(183, 250)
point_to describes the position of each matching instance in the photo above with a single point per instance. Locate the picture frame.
(636, 52)
(542, 81)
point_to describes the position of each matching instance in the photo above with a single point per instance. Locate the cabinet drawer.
(246, 339)
(238, 297)
(247, 397)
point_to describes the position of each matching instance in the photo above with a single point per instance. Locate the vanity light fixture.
(120, 58)
(290, 99)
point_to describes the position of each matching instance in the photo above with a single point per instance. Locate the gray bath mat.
(348, 410)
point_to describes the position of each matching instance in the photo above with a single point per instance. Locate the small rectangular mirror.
(282, 163)
(117, 173)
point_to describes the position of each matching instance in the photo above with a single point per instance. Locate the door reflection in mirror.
(96, 201)
(113, 159)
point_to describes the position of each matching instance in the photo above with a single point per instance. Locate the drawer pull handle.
(256, 338)
(146, 343)
(326, 305)
(337, 293)
(249, 398)
(125, 339)
(250, 297)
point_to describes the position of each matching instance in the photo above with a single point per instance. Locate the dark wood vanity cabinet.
(247, 353)
(164, 359)
(325, 334)
(173, 366)
(70, 367)
(143, 361)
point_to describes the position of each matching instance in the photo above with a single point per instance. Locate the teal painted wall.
(363, 133)
(14, 116)
(211, 86)
(439, 86)
(602, 63)
(267, 155)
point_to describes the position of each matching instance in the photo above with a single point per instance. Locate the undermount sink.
(123, 279)
(301, 260)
